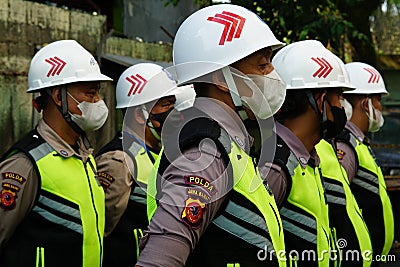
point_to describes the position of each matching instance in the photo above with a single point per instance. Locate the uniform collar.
(227, 119)
(297, 147)
(60, 145)
(352, 128)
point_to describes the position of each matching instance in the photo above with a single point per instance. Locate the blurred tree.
(341, 25)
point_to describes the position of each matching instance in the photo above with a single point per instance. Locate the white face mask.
(94, 115)
(374, 123)
(347, 108)
(266, 101)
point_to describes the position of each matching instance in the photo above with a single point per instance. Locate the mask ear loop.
(149, 123)
(67, 116)
(371, 111)
(322, 117)
(234, 93)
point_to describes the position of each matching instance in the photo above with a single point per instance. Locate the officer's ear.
(219, 81)
(56, 96)
(364, 104)
(139, 116)
(320, 98)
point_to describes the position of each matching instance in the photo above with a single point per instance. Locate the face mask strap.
(371, 110)
(322, 117)
(149, 123)
(67, 116)
(234, 93)
(312, 102)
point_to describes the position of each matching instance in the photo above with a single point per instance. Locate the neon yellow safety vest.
(337, 188)
(369, 176)
(143, 169)
(66, 225)
(85, 191)
(247, 182)
(121, 246)
(305, 216)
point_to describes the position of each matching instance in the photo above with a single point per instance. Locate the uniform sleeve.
(275, 177)
(116, 179)
(193, 188)
(19, 185)
(347, 159)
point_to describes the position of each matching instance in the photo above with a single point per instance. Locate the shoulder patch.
(198, 193)
(192, 214)
(8, 196)
(13, 176)
(105, 180)
(340, 154)
(202, 182)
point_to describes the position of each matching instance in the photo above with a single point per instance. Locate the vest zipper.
(95, 210)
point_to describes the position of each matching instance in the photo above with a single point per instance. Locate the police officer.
(355, 154)
(145, 94)
(208, 206)
(51, 205)
(314, 80)
(350, 229)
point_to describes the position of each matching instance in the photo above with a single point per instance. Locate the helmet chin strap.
(150, 124)
(67, 116)
(322, 117)
(234, 93)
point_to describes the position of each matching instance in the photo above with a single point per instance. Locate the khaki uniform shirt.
(274, 175)
(170, 238)
(26, 186)
(346, 154)
(117, 180)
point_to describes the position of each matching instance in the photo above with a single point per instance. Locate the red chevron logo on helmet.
(233, 25)
(375, 76)
(57, 65)
(137, 82)
(324, 67)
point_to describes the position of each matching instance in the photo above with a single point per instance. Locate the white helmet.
(217, 36)
(365, 78)
(308, 64)
(143, 83)
(62, 62)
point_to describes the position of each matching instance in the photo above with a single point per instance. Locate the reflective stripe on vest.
(370, 177)
(144, 165)
(143, 169)
(311, 213)
(337, 183)
(46, 206)
(247, 182)
(78, 187)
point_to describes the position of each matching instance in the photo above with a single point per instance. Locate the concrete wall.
(24, 27)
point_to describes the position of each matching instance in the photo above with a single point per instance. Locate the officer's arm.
(276, 179)
(116, 179)
(193, 189)
(18, 190)
(347, 159)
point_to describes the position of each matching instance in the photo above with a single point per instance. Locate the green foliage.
(295, 20)
(200, 3)
(341, 25)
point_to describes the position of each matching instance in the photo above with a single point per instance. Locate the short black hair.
(295, 104)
